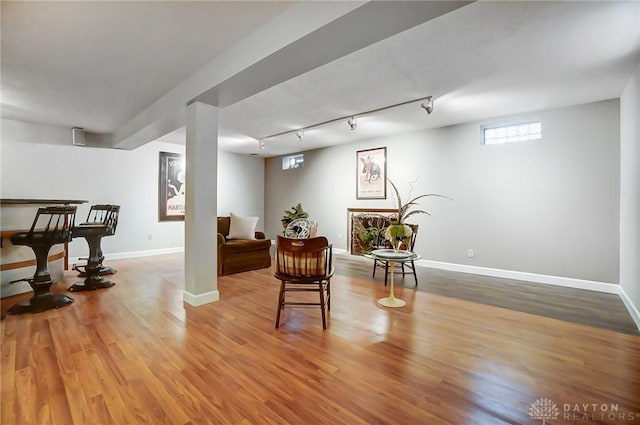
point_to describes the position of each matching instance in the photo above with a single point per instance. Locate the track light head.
(300, 135)
(427, 105)
(352, 123)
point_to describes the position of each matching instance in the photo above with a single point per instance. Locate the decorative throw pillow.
(242, 227)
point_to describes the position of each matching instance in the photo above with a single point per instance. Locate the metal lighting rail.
(320, 124)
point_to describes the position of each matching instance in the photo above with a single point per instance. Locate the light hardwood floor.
(135, 354)
(591, 308)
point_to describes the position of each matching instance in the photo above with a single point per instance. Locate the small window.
(511, 133)
(293, 161)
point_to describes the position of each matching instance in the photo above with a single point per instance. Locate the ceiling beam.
(305, 37)
(366, 25)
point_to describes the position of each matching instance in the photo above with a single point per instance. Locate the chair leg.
(375, 266)
(329, 294)
(280, 304)
(324, 318)
(415, 276)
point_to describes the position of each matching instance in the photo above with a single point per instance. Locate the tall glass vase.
(396, 245)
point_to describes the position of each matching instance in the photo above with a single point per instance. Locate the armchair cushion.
(239, 246)
(242, 227)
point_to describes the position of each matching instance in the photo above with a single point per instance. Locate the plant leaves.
(295, 213)
(395, 189)
(404, 210)
(416, 212)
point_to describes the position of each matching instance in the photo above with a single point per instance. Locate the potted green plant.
(295, 213)
(368, 237)
(399, 232)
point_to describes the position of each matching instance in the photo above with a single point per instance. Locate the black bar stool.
(101, 221)
(51, 226)
(99, 214)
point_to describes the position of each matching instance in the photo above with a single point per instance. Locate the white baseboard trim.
(590, 285)
(609, 288)
(633, 310)
(133, 254)
(200, 299)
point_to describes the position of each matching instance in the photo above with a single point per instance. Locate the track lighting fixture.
(352, 123)
(427, 105)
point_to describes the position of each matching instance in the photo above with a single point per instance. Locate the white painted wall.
(630, 191)
(547, 207)
(241, 186)
(107, 176)
(36, 163)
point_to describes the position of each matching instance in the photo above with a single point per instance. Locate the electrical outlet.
(470, 253)
(339, 235)
(150, 236)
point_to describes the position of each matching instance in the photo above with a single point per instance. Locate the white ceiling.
(96, 65)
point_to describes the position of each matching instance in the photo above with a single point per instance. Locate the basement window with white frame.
(494, 135)
(293, 161)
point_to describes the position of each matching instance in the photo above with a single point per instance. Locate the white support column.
(201, 228)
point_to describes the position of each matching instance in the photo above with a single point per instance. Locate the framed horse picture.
(371, 174)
